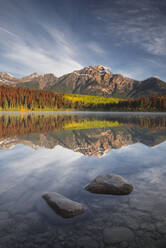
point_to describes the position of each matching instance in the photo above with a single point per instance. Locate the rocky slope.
(95, 80)
(34, 80)
(92, 80)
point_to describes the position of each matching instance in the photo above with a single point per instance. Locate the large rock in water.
(63, 206)
(109, 184)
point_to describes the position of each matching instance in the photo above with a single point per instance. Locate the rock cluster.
(103, 184)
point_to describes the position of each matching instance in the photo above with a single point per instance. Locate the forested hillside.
(23, 99)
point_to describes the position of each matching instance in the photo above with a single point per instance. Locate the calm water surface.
(62, 153)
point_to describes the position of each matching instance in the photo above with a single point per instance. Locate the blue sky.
(60, 36)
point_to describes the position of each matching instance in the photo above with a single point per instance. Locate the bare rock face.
(109, 184)
(95, 80)
(31, 81)
(90, 80)
(63, 206)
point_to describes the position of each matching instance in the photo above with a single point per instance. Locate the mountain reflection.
(89, 134)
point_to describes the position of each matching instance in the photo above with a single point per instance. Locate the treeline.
(20, 98)
(83, 100)
(151, 103)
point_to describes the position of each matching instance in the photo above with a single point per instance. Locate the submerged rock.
(109, 184)
(119, 234)
(63, 206)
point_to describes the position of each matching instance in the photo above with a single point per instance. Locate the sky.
(60, 36)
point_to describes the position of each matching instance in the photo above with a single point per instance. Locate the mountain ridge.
(91, 80)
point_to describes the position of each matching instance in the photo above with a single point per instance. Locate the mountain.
(148, 86)
(91, 80)
(95, 80)
(34, 80)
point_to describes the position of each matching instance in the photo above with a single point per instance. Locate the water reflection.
(92, 135)
(27, 173)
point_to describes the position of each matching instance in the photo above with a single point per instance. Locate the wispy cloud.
(95, 47)
(133, 72)
(54, 54)
(37, 59)
(7, 32)
(120, 34)
(139, 23)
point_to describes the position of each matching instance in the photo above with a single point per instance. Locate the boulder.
(63, 206)
(109, 184)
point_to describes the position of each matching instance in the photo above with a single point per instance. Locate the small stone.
(124, 244)
(147, 227)
(115, 235)
(161, 244)
(4, 215)
(64, 206)
(109, 184)
(87, 241)
(161, 227)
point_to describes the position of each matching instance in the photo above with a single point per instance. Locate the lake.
(62, 153)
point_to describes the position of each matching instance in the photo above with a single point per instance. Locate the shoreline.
(83, 112)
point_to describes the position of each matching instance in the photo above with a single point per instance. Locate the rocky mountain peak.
(95, 80)
(4, 75)
(156, 77)
(153, 79)
(48, 75)
(95, 71)
(33, 75)
(102, 69)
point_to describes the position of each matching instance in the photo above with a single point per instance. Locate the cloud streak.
(60, 37)
(139, 23)
(52, 55)
(95, 47)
